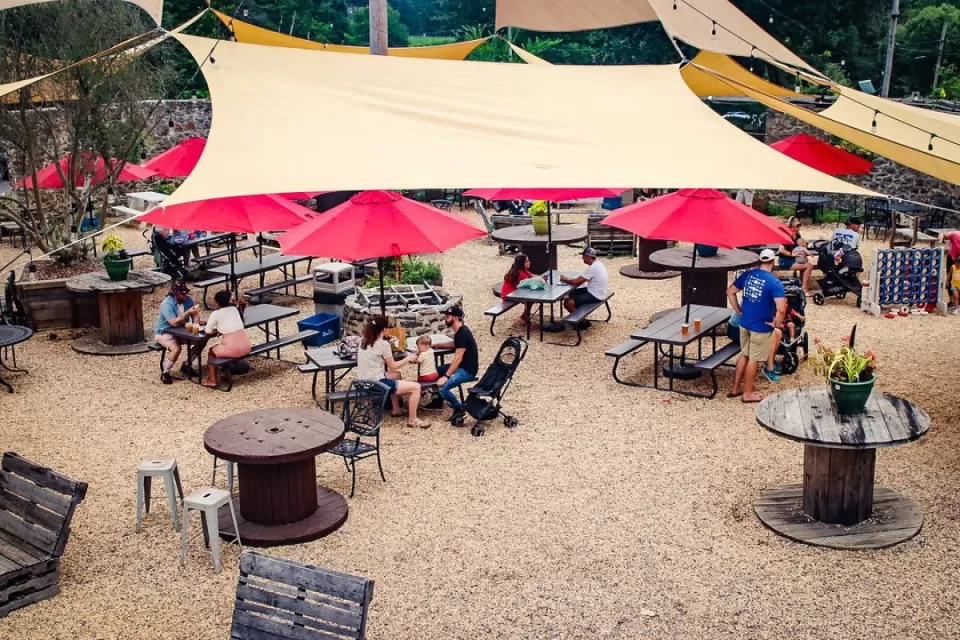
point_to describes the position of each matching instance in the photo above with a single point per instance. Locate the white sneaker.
(956, 311)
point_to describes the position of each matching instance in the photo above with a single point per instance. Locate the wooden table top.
(680, 258)
(254, 265)
(99, 282)
(668, 328)
(273, 436)
(808, 415)
(524, 234)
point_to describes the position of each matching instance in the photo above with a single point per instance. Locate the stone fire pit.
(423, 315)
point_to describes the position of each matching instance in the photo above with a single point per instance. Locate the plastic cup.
(189, 327)
(196, 328)
(684, 329)
(696, 324)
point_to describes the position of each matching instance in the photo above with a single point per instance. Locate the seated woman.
(226, 322)
(375, 362)
(519, 271)
(788, 255)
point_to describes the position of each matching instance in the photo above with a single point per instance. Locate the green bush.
(412, 271)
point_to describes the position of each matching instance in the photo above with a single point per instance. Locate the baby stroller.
(787, 349)
(484, 398)
(841, 266)
(169, 258)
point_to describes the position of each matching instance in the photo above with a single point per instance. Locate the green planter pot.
(540, 224)
(851, 397)
(117, 269)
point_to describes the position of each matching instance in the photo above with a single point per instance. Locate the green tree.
(358, 31)
(918, 44)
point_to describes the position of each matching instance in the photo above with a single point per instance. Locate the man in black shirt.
(466, 360)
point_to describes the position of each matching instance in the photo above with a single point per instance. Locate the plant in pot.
(115, 258)
(850, 373)
(540, 217)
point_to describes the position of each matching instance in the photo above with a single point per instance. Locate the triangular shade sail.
(154, 8)
(822, 156)
(402, 123)
(703, 84)
(252, 34)
(708, 25)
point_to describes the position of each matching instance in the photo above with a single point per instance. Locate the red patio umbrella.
(178, 161)
(701, 216)
(378, 224)
(822, 156)
(88, 165)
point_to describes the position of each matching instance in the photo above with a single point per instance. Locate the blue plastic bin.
(327, 324)
(611, 203)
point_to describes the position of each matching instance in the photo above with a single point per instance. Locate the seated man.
(465, 364)
(175, 310)
(595, 275)
(851, 235)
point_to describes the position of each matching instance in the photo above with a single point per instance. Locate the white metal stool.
(165, 469)
(230, 466)
(208, 503)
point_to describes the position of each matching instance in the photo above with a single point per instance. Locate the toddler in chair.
(427, 369)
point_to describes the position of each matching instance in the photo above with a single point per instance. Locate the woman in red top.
(519, 271)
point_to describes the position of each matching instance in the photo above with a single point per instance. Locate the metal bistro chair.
(876, 216)
(362, 417)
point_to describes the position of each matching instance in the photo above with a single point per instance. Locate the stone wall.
(190, 118)
(421, 320)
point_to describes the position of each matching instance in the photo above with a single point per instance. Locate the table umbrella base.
(554, 327)
(895, 519)
(92, 345)
(681, 371)
(261, 299)
(633, 271)
(330, 515)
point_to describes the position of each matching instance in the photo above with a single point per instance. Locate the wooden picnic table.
(838, 505)
(263, 265)
(121, 310)
(705, 284)
(543, 257)
(279, 501)
(805, 206)
(550, 294)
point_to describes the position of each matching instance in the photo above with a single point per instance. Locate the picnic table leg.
(541, 323)
(656, 365)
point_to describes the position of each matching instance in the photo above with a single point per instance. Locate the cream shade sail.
(376, 122)
(252, 34)
(704, 84)
(154, 8)
(708, 25)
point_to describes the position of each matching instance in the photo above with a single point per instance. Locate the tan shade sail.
(704, 84)
(708, 25)
(154, 8)
(252, 34)
(902, 132)
(370, 122)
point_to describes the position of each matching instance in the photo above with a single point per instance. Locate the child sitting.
(800, 251)
(427, 369)
(794, 320)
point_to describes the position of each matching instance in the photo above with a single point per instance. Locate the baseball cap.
(767, 255)
(589, 251)
(456, 312)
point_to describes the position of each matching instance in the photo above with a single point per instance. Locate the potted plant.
(706, 250)
(115, 258)
(539, 216)
(850, 374)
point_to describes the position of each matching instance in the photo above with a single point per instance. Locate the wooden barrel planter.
(50, 305)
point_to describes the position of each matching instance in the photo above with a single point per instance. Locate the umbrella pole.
(233, 273)
(549, 245)
(691, 288)
(260, 248)
(383, 299)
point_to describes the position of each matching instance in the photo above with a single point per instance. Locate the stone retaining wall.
(420, 320)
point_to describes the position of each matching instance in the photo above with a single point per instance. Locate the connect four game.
(905, 278)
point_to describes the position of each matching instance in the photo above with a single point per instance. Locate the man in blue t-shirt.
(761, 312)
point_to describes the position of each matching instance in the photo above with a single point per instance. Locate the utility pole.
(936, 70)
(891, 45)
(378, 27)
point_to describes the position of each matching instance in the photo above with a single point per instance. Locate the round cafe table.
(645, 269)
(121, 311)
(535, 246)
(10, 336)
(279, 501)
(706, 283)
(837, 505)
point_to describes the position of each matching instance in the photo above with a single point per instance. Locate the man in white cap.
(595, 275)
(761, 311)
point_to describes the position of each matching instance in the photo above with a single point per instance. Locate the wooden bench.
(432, 387)
(276, 286)
(715, 360)
(280, 599)
(223, 364)
(498, 310)
(619, 352)
(609, 241)
(36, 508)
(206, 260)
(139, 252)
(581, 313)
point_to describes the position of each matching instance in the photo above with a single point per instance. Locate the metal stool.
(231, 466)
(208, 503)
(166, 470)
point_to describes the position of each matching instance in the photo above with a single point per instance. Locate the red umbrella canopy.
(550, 195)
(823, 157)
(703, 216)
(378, 224)
(88, 165)
(239, 214)
(178, 161)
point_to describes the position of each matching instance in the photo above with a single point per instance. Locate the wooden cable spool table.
(121, 310)
(279, 501)
(706, 283)
(837, 505)
(645, 269)
(543, 257)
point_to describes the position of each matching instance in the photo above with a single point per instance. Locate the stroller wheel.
(510, 422)
(477, 430)
(818, 299)
(841, 295)
(458, 420)
(789, 363)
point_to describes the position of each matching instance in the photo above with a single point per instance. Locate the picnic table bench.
(550, 294)
(223, 364)
(36, 509)
(263, 265)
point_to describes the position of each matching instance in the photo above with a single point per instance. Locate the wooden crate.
(50, 305)
(609, 241)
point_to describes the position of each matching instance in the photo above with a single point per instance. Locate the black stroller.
(170, 259)
(484, 398)
(841, 266)
(796, 306)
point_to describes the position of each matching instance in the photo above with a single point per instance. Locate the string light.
(752, 49)
(245, 13)
(873, 125)
(713, 33)
(213, 60)
(674, 5)
(798, 87)
(771, 18)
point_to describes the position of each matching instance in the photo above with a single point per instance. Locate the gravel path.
(610, 512)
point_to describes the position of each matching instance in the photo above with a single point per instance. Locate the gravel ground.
(610, 512)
